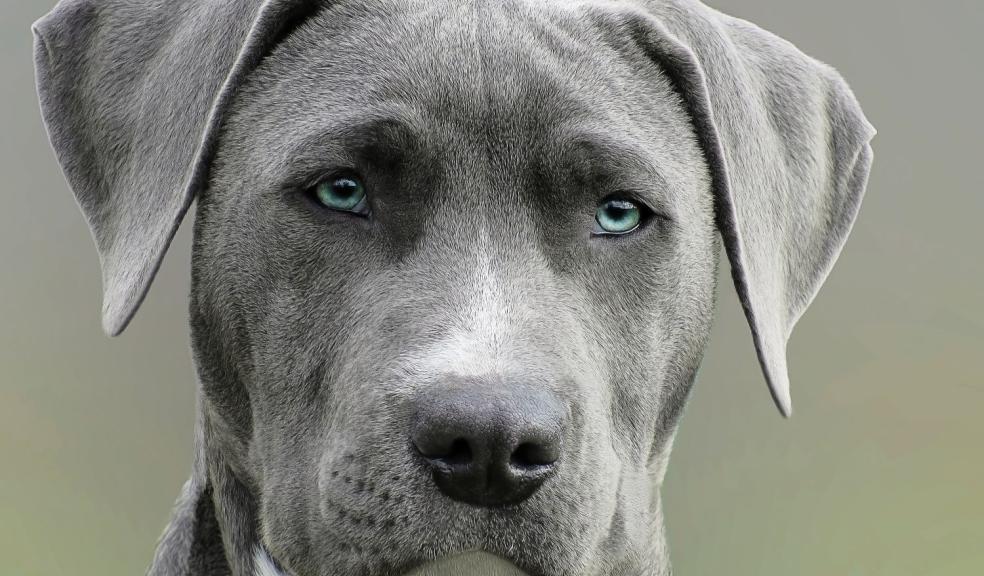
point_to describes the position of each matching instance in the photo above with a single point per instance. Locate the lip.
(468, 562)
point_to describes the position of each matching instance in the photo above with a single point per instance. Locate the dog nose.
(488, 444)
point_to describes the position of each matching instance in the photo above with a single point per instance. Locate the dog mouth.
(502, 541)
(398, 524)
(467, 562)
(470, 562)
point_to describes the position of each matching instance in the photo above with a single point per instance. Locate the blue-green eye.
(343, 193)
(617, 216)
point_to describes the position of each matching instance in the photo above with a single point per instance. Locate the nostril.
(533, 455)
(454, 451)
(459, 453)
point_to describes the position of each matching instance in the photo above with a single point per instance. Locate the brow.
(613, 154)
(614, 150)
(388, 128)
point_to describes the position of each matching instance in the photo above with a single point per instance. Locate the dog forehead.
(513, 80)
(504, 65)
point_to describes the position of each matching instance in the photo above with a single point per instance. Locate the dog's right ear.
(132, 93)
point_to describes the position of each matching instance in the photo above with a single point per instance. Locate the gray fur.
(487, 132)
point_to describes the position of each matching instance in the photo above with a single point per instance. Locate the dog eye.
(617, 216)
(345, 193)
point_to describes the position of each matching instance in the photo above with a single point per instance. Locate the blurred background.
(880, 470)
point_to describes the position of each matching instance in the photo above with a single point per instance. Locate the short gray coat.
(490, 129)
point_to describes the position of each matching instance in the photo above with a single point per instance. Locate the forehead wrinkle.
(614, 151)
(392, 124)
(636, 165)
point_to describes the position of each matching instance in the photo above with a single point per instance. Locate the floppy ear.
(788, 150)
(131, 95)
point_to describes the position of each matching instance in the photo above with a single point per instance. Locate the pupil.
(345, 187)
(616, 213)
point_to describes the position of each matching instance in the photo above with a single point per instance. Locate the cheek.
(283, 295)
(652, 304)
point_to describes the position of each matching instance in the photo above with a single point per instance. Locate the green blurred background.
(880, 471)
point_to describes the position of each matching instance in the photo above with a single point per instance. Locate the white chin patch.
(263, 565)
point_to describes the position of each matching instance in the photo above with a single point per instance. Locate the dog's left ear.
(132, 93)
(788, 150)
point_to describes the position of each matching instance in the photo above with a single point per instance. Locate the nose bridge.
(488, 235)
(496, 304)
(498, 290)
(493, 301)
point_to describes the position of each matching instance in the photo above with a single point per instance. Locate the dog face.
(454, 264)
(478, 275)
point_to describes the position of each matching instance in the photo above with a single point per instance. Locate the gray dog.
(454, 261)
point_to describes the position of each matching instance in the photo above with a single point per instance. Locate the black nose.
(488, 443)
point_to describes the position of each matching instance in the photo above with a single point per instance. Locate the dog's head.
(454, 262)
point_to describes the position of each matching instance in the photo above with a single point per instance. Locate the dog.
(454, 261)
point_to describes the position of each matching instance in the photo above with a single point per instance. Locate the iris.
(342, 193)
(618, 216)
